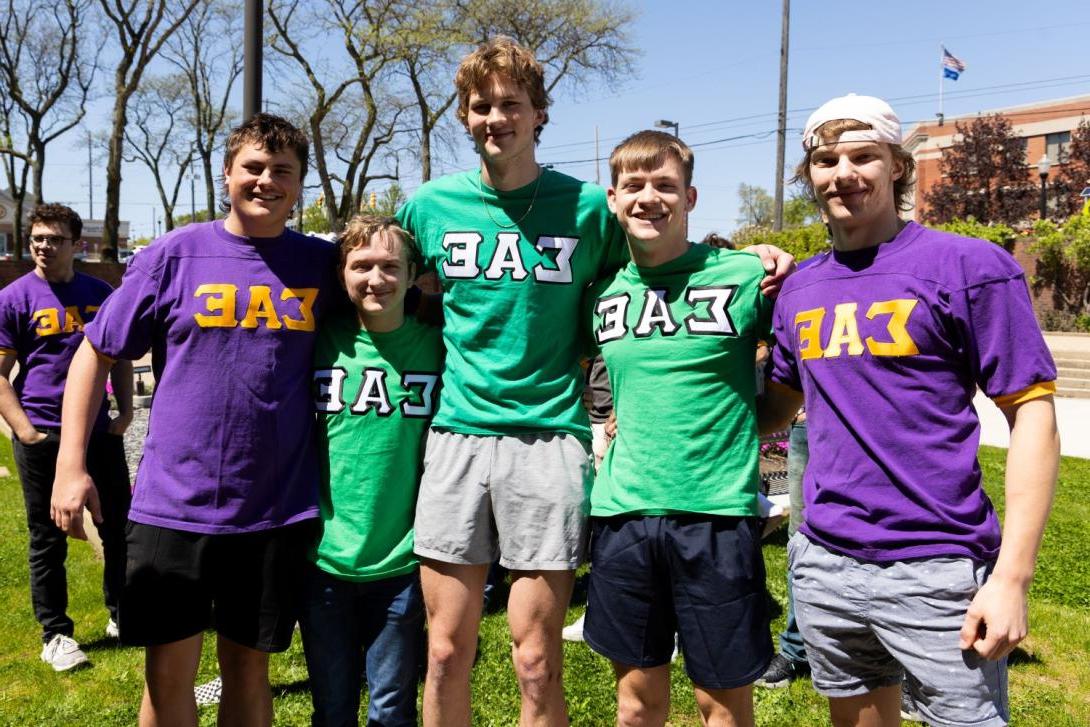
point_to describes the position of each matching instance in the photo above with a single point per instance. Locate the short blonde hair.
(361, 230)
(502, 55)
(829, 132)
(647, 150)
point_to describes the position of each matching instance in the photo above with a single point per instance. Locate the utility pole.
(251, 74)
(781, 127)
(90, 181)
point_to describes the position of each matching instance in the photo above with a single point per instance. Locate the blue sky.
(713, 66)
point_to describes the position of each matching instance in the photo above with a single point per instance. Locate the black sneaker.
(782, 671)
(909, 713)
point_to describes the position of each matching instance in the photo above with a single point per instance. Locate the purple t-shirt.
(889, 345)
(42, 323)
(231, 323)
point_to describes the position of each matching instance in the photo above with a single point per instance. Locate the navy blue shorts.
(701, 576)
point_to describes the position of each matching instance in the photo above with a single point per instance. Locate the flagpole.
(942, 79)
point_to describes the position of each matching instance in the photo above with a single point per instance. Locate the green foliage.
(180, 220)
(756, 206)
(998, 233)
(314, 217)
(802, 242)
(386, 202)
(1049, 681)
(1063, 262)
(800, 211)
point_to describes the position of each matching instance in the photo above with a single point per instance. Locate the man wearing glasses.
(42, 315)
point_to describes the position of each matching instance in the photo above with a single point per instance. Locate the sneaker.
(63, 653)
(209, 692)
(908, 706)
(574, 632)
(112, 631)
(782, 671)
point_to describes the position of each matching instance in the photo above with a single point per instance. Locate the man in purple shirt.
(227, 492)
(899, 566)
(42, 315)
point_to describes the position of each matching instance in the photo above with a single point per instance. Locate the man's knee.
(638, 710)
(537, 667)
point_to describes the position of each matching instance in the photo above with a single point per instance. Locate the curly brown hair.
(54, 214)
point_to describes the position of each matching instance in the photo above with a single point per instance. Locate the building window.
(1057, 145)
(4, 244)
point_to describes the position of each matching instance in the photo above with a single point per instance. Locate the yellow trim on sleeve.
(1034, 391)
(8, 351)
(785, 387)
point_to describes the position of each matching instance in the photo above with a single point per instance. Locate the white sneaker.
(209, 692)
(112, 631)
(574, 632)
(63, 653)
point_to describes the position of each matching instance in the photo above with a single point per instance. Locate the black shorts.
(247, 586)
(701, 576)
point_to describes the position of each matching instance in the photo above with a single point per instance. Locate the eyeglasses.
(50, 240)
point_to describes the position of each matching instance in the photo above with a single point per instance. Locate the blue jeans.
(348, 626)
(798, 454)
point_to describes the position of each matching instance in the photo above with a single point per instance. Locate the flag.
(952, 66)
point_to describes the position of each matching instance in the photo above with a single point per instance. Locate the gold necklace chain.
(533, 198)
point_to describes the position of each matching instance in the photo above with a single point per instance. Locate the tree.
(984, 176)
(1063, 264)
(754, 206)
(48, 60)
(1074, 172)
(800, 211)
(802, 242)
(350, 114)
(153, 136)
(207, 50)
(141, 30)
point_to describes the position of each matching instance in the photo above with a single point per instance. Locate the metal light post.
(1043, 165)
(665, 124)
(251, 74)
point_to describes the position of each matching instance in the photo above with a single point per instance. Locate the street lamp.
(1043, 165)
(665, 124)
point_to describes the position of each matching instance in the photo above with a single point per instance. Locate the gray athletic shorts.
(868, 624)
(523, 497)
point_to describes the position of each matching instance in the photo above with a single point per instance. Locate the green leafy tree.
(182, 220)
(800, 211)
(755, 206)
(984, 176)
(802, 242)
(1063, 263)
(1074, 173)
(315, 218)
(1000, 234)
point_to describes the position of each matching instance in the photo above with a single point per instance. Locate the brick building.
(1046, 126)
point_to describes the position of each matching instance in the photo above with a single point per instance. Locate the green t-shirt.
(375, 394)
(512, 296)
(679, 341)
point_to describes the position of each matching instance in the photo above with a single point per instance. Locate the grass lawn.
(1050, 675)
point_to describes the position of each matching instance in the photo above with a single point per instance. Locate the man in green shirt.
(674, 514)
(507, 471)
(376, 376)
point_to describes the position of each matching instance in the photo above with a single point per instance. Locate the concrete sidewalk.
(1072, 416)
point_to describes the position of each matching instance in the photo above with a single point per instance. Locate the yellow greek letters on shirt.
(50, 321)
(845, 330)
(221, 305)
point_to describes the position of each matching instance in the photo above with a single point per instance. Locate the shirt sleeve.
(1005, 349)
(614, 247)
(9, 328)
(125, 325)
(783, 368)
